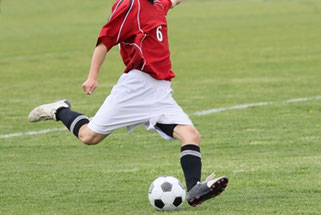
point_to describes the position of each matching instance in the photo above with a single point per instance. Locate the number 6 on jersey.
(159, 34)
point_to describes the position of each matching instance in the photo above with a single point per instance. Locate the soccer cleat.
(210, 188)
(48, 111)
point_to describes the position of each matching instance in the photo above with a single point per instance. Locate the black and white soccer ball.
(166, 193)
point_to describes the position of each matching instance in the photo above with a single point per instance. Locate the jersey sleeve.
(120, 25)
(167, 5)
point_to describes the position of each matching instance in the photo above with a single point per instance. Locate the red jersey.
(141, 30)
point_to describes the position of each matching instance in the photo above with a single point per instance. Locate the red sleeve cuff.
(106, 41)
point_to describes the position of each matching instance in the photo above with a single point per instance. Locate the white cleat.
(48, 111)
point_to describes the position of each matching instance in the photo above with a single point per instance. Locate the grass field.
(224, 53)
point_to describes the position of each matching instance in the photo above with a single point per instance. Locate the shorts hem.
(98, 131)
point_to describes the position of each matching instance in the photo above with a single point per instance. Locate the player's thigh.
(89, 137)
(188, 135)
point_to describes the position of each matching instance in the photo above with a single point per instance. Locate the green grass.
(224, 53)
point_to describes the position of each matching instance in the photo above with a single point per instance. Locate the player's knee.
(88, 140)
(195, 137)
(90, 137)
(189, 135)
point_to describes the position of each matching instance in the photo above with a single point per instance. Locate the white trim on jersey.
(141, 45)
(158, 2)
(141, 30)
(122, 25)
(112, 14)
(133, 44)
(138, 17)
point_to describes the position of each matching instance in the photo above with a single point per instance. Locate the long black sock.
(191, 164)
(72, 120)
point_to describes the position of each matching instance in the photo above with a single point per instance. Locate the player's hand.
(89, 86)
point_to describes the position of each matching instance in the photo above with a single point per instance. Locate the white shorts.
(138, 99)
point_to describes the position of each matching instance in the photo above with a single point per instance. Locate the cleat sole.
(214, 190)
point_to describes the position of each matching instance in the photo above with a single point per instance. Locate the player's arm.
(97, 60)
(175, 2)
(114, 31)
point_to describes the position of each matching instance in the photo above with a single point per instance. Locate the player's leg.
(89, 137)
(197, 191)
(187, 134)
(76, 122)
(191, 160)
(190, 151)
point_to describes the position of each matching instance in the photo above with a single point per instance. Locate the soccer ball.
(166, 193)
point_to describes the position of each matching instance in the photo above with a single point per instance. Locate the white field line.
(199, 113)
(244, 106)
(31, 132)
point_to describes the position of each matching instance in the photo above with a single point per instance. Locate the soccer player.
(142, 95)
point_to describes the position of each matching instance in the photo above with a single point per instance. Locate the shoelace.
(210, 177)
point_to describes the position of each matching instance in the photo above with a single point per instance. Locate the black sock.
(191, 164)
(71, 119)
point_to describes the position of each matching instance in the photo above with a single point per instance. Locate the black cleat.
(208, 189)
